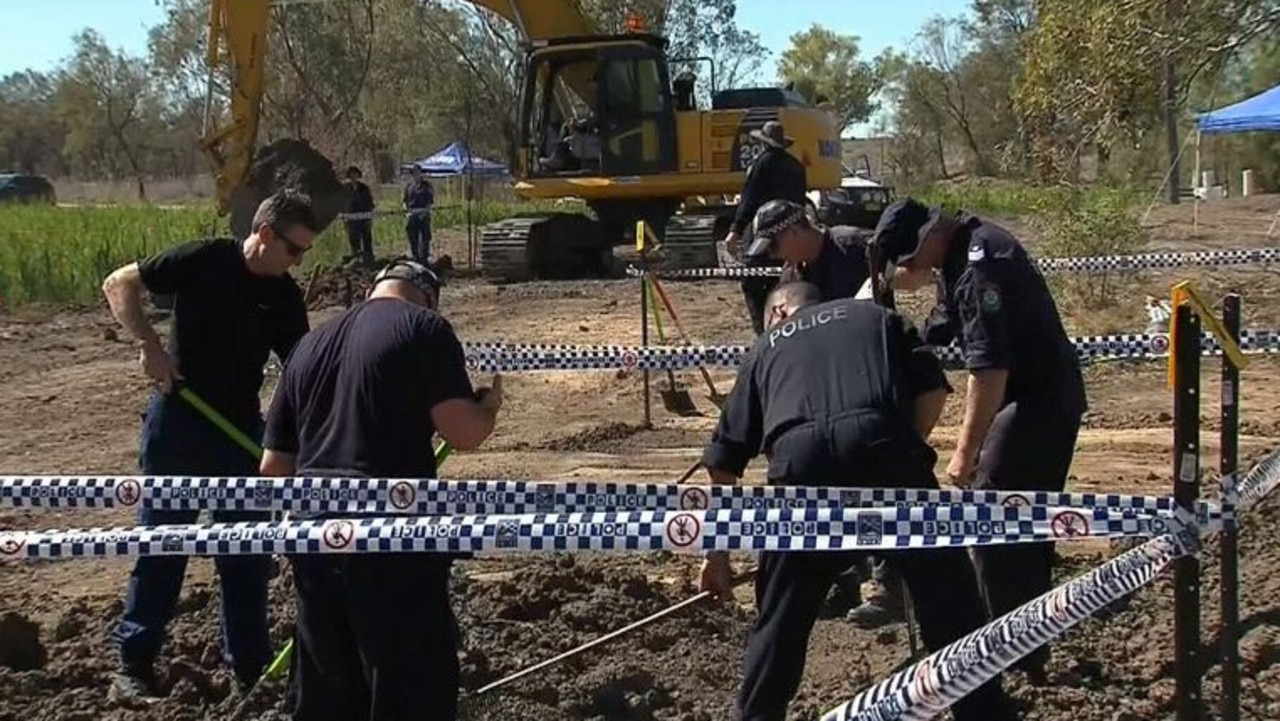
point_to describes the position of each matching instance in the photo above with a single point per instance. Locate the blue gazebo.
(456, 159)
(1258, 113)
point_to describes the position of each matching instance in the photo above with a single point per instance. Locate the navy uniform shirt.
(419, 194)
(994, 298)
(828, 361)
(356, 396)
(226, 321)
(775, 175)
(841, 267)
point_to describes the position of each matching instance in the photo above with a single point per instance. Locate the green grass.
(1015, 199)
(61, 255)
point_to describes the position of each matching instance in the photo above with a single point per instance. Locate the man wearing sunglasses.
(362, 396)
(234, 304)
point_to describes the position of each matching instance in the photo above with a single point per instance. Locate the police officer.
(359, 230)
(361, 396)
(775, 174)
(1025, 390)
(835, 259)
(832, 258)
(840, 393)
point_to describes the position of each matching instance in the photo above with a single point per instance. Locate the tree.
(830, 63)
(31, 135)
(105, 98)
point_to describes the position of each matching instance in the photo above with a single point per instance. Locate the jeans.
(176, 440)
(418, 229)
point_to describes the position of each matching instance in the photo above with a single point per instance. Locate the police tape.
(496, 357)
(929, 686)
(1094, 264)
(370, 215)
(942, 678)
(417, 496)
(811, 529)
(1261, 480)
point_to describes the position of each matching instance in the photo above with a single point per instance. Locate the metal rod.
(1229, 708)
(737, 581)
(1186, 491)
(644, 343)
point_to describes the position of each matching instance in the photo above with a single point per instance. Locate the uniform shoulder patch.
(989, 298)
(977, 251)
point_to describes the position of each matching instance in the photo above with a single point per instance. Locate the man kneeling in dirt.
(841, 393)
(234, 302)
(362, 395)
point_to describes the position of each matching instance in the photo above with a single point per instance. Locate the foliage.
(825, 64)
(61, 255)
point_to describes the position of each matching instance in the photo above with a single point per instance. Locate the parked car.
(18, 188)
(858, 201)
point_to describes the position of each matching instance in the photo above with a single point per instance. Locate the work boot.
(884, 606)
(840, 600)
(134, 687)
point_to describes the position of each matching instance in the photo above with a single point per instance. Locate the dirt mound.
(20, 647)
(288, 163)
(596, 438)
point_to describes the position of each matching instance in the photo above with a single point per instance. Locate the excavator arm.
(238, 38)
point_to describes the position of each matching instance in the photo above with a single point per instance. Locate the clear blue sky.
(42, 39)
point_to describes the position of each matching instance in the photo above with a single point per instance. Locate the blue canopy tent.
(1258, 113)
(456, 159)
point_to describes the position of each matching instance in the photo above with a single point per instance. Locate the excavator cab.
(598, 107)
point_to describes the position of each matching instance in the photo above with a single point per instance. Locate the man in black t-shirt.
(1026, 394)
(359, 230)
(361, 397)
(234, 303)
(837, 393)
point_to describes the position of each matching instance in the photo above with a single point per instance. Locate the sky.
(42, 39)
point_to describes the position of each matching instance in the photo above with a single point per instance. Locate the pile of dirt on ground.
(289, 163)
(598, 438)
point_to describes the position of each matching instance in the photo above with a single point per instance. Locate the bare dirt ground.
(73, 398)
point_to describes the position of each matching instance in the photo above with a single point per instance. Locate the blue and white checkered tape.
(415, 496)
(1094, 264)
(495, 357)
(928, 687)
(818, 529)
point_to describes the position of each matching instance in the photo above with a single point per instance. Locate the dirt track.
(73, 399)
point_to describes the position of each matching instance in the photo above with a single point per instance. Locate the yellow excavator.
(600, 118)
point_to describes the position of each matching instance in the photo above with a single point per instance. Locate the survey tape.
(370, 215)
(414, 496)
(929, 686)
(812, 529)
(1092, 264)
(493, 357)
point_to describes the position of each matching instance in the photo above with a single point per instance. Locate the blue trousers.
(418, 228)
(176, 440)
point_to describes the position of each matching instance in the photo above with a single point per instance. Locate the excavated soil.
(73, 396)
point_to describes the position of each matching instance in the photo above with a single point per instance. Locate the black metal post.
(1186, 491)
(644, 341)
(1229, 705)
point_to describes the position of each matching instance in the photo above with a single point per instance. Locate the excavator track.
(555, 246)
(504, 248)
(690, 242)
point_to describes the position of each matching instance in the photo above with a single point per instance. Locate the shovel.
(715, 396)
(675, 400)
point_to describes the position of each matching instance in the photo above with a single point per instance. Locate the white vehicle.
(858, 201)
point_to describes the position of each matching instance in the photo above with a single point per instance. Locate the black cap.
(426, 279)
(772, 218)
(901, 228)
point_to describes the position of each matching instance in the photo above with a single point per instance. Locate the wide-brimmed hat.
(772, 134)
(771, 219)
(902, 228)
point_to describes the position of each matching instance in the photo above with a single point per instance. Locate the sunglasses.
(294, 249)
